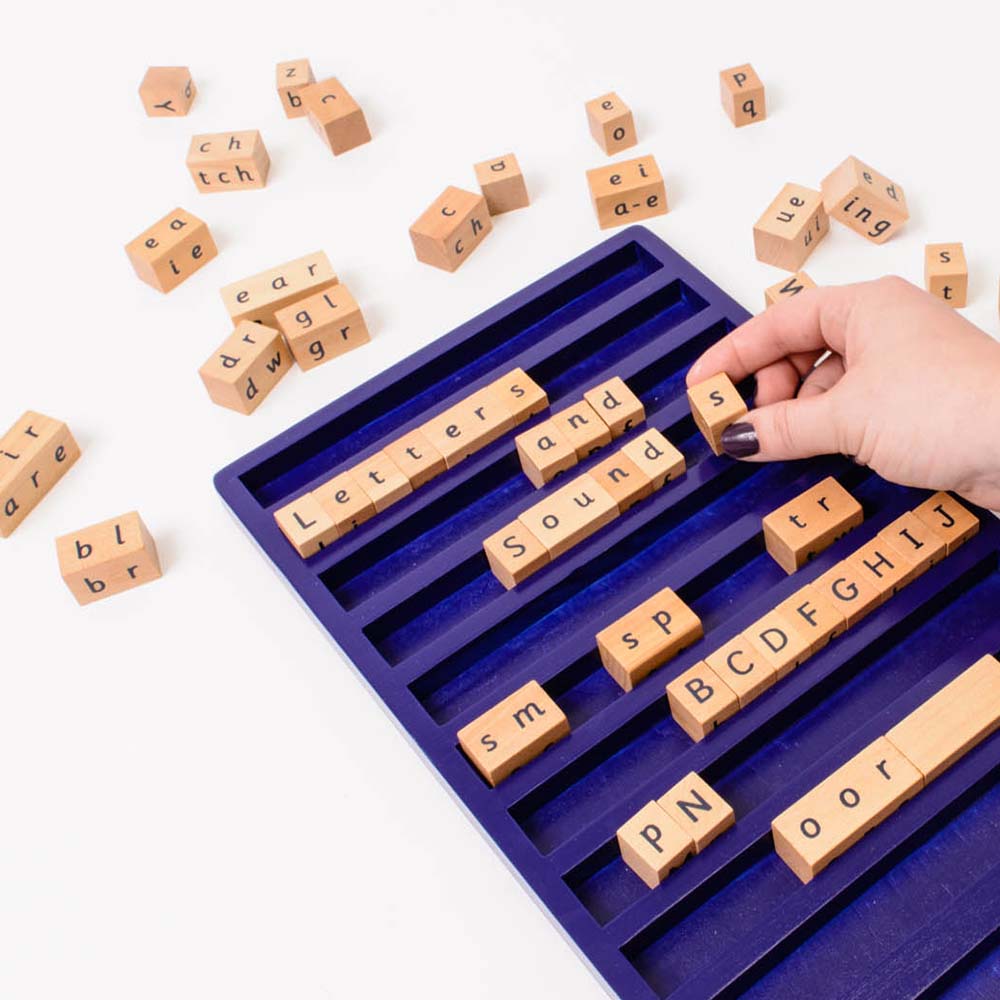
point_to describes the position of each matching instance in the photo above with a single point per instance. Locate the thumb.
(793, 428)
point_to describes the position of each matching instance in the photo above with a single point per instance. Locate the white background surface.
(199, 798)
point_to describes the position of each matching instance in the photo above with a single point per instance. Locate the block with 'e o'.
(611, 123)
(627, 192)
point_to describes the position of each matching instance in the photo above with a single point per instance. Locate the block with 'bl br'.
(627, 192)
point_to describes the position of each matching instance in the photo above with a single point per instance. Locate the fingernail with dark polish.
(740, 441)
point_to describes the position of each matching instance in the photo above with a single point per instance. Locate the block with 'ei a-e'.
(627, 192)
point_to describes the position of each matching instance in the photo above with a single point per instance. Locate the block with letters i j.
(864, 200)
(787, 288)
(452, 226)
(502, 184)
(228, 161)
(322, 326)
(291, 77)
(626, 192)
(742, 95)
(245, 367)
(260, 296)
(715, 404)
(791, 227)
(946, 273)
(171, 250)
(34, 455)
(611, 124)
(167, 91)
(334, 114)
(107, 558)
(513, 732)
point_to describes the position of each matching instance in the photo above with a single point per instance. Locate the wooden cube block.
(814, 615)
(522, 396)
(948, 519)
(171, 250)
(627, 192)
(915, 541)
(864, 200)
(623, 479)
(953, 721)
(570, 514)
(344, 500)
(782, 641)
(228, 161)
(582, 428)
(787, 288)
(742, 668)
(107, 558)
(453, 225)
(791, 227)
(839, 811)
(502, 184)
(700, 700)
(653, 845)
(259, 297)
(610, 121)
(742, 95)
(246, 366)
(715, 404)
(698, 810)
(656, 457)
(306, 525)
(291, 77)
(544, 452)
(801, 529)
(34, 455)
(335, 115)
(416, 457)
(383, 480)
(322, 326)
(617, 405)
(881, 565)
(468, 426)
(167, 91)
(648, 636)
(852, 594)
(946, 274)
(514, 554)
(513, 732)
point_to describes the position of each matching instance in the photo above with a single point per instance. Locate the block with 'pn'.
(291, 77)
(502, 184)
(627, 192)
(700, 700)
(259, 297)
(335, 116)
(864, 200)
(513, 732)
(34, 455)
(791, 227)
(167, 91)
(245, 367)
(647, 637)
(811, 522)
(322, 326)
(698, 810)
(787, 288)
(228, 161)
(453, 225)
(742, 95)
(946, 274)
(653, 845)
(715, 404)
(611, 124)
(171, 250)
(107, 558)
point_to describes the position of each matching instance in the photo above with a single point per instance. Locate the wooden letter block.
(468, 426)
(514, 554)
(787, 288)
(653, 845)
(228, 161)
(582, 428)
(781, 641)
(383, 481)
(344, 500)
(742, 95)
(623, 479)
(852, 594)
(839, 811)
(810, 523)
(322, 326)
(656, 457)
(335, 115)
(544, 452)
(698, 810)
(513, 732)
(610, 122)
(742, 669)
(814, 616)
(657, 630)
(167, 91)
(260, 296)
(864, 200)
(522, 397)
(171, 250)
(107, 558)
(699, 700)
(953, 721)
(627, 192)
(292, 76)
(453, 226)
(306, 525)
(34, 455)
(247, 365)
(616, 404)
(878, 563)
(569, 515)
(715, 404)
(948, 519)
(502, 184)
(946, 273)
(915, 541)
(791, 227)
(416, 457)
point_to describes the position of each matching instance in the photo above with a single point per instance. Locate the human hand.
(912, 389)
